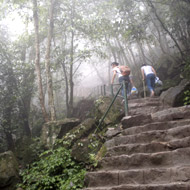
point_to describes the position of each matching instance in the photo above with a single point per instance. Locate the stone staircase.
(151, 152)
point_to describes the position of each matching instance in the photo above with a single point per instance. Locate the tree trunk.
(71, 83)
(67, 87)
(164, 27)
(141, 51)
(47, 64)
(37, 61)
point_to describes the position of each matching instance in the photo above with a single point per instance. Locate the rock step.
(147, 160)
(143, 118)
(155, 126)
(169, 186)
(147, 107)
(143, 104)
(151, 136)
(134, 177)
(144, 100)
(152, 147)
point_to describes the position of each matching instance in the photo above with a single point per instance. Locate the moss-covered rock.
(80, 132)
(174, 96)
(82, 139)
(57, 129)
(114, 115)
(9, 170)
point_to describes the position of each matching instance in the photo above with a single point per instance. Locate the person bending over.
(149, 73)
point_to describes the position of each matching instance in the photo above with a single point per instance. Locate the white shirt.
(117, 71)
(147, 70)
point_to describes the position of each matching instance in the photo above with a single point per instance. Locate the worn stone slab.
(129, 149)
(107, 178)
(136, 120)
(172, 114)
(169, 186)
(151, 136)
(149, 160)
(152, 147)
(155, 126)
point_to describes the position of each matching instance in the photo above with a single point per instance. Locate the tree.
(47, 62)
(37, 60)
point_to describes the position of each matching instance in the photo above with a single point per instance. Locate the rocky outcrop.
(57, 129)
(174, 96)
(152, 155)
(114, 115)
(9, 170)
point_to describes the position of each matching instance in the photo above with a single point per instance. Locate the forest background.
(65, 49)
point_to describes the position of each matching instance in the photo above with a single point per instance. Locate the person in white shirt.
(149, 73)
(116, 71)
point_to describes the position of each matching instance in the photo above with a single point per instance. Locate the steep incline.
(152, 152)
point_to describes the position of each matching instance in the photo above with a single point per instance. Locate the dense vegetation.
(55, 170)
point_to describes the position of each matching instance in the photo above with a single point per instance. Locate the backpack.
(125, 70)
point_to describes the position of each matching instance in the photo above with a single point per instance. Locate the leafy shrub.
(187, 97)
(55, 170)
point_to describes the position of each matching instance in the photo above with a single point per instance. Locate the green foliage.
(187, 97)
(55, 170)
(93, 160)
(187, 67)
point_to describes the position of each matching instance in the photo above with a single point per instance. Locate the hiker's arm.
(154, 71)
(142, 72)
(114, 74)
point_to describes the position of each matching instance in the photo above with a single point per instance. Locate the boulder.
(116, 112)
(9, 170)
(57, 129)
(81, 131)
(78, 140)
(84, 109)
(174, 96)
(112, 132)
(81, 150)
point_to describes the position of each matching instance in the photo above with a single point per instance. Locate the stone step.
(147, 107)
(155, 126)
(172, 114)
(144, 100)
(146, 160)
(151, 136)
(169, 186)
(143, 118)
(134, 177)
(152, 147)
(134, 105)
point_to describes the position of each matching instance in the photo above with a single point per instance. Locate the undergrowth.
(55, 170)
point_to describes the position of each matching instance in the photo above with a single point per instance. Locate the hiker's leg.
(148, 83)
(126, 79)
(152, 81)
(121, 83)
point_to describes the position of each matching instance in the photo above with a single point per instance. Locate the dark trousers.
(126, 79)
(150, 82)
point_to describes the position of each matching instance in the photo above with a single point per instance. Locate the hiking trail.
(151, 152)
